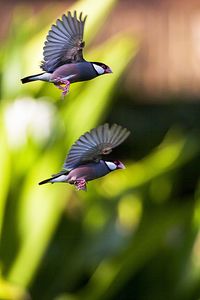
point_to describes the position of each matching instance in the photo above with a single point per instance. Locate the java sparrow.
(63, 61)
(85, 161)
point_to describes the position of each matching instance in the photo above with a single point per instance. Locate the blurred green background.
(135, 233)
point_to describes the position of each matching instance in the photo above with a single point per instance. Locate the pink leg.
(80, 184)
(59, 81)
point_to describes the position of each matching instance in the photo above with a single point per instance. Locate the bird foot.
(63, 85)
(80, 184)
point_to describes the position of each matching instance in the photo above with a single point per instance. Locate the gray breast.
(86, 71)
(101, 169)
(89, 171)
(75, 72)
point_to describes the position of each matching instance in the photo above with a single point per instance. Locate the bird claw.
(65, 89)
(80, 184)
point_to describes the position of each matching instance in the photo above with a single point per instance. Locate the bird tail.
(45, 181)
(60, 177)
(42, 76)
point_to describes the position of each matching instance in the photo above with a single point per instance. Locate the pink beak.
(108, 70)
(121, 166)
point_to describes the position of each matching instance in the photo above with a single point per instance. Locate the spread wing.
(64, 42)
(92, 145)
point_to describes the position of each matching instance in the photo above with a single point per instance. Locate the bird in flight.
(63, 61)
(85, 160)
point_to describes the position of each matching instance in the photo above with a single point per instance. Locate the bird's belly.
(65, 72)
(87, 172)
(74, 72)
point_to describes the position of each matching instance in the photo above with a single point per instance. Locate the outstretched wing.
(64, 43)
(92, 145)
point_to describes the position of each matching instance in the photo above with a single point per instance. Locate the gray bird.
(84, 161)
(63, 55)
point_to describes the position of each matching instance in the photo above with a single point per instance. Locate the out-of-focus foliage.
(135, 233)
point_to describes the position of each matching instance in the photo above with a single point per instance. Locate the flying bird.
(63, 61)
(85, 161)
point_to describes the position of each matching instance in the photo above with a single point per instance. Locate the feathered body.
(87, 172)
(63, 58)
(84, 162)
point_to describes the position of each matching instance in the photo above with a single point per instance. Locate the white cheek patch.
(111, 165)
(99, 69)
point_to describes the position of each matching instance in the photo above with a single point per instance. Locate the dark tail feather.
(45, 181)
(31, 78)
(64, 172)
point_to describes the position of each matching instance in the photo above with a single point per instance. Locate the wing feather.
(92, 145)
(55, 36)
(64, 42)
